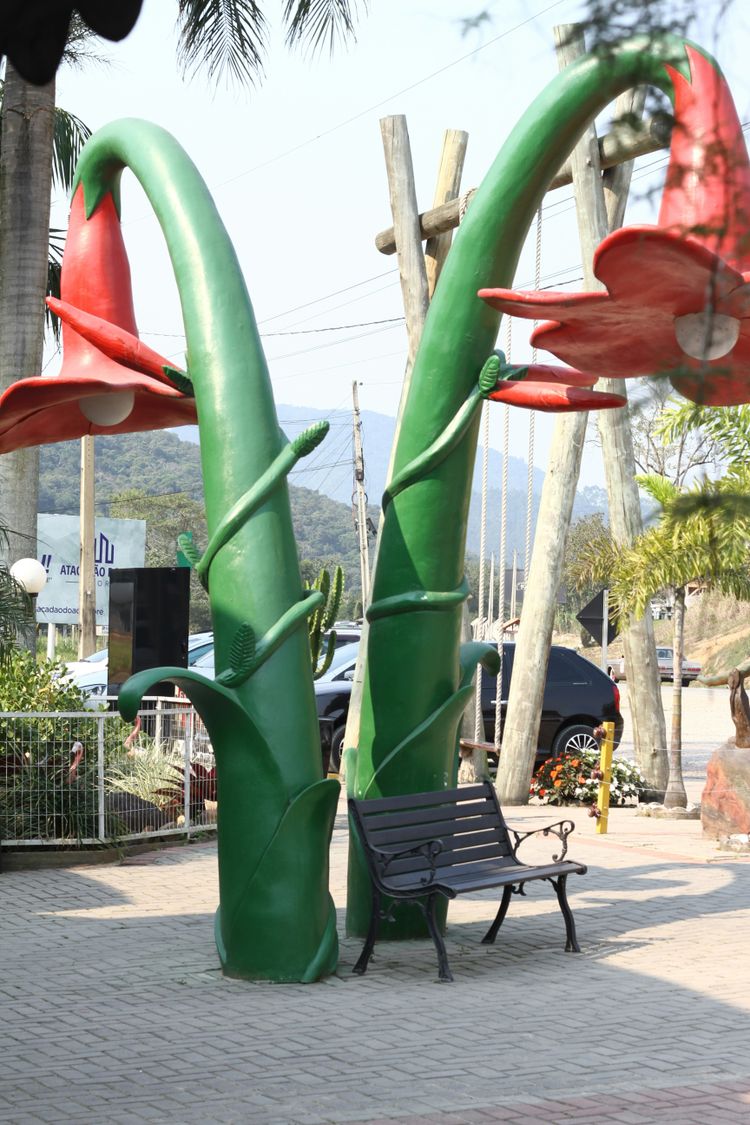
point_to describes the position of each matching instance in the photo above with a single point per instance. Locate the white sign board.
(117, 543)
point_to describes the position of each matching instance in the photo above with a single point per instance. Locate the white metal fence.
(83, 778)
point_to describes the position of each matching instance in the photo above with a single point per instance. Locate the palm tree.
(693, 539)
(224, 37)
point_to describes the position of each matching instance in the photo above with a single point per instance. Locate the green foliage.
(149, 774)
(588, 556)
(574, 779)
(26, 686)
(727, 426)
(39, 802)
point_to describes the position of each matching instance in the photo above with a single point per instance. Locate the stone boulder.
(725, 804)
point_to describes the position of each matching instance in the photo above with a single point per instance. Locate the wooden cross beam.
(624, 143)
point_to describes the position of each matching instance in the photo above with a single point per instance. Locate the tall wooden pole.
(86, 575)
(520, 736)
(448, 187)
(416, 288)
(625, 520)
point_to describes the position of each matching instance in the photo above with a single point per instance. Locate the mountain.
(167, 464)
(329, 471)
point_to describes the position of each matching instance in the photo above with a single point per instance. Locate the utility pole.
(86, 575)
(360, 499)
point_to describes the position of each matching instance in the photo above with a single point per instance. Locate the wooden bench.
(428, 844)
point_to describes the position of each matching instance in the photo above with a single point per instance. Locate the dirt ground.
(717, 635)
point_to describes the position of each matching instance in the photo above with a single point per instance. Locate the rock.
(725, 805)
(692, 812)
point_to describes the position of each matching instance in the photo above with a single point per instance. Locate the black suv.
(577, 697)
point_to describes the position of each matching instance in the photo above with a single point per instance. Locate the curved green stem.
(255, 588)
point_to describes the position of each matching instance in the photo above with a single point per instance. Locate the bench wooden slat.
(428, 814)
(435, 829)
(491, 849)
(419, 800)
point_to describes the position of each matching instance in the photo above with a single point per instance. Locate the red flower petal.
(547, 373)
(553, 398)
(644, 266)
(707, 192)
(40, 410)
(115, 342)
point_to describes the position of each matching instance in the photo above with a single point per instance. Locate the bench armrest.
(430, 850)
(561, 828)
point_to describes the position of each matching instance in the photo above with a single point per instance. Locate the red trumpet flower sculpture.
(678, 294)
(110, 382)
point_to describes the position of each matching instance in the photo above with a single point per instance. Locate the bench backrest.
(468, 822)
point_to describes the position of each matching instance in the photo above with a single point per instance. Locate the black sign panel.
(591, 617)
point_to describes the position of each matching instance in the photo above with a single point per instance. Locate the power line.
(384, 101)
(336, 327)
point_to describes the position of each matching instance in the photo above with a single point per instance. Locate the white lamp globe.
(30, 575)
(109, 409)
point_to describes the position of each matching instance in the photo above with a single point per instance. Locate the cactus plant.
(323, 618)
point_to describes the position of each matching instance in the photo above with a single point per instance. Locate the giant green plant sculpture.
(414, 682)
(276, 919)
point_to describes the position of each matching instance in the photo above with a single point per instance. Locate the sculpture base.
(725, 804)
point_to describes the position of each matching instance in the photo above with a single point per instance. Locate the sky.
(296, 169)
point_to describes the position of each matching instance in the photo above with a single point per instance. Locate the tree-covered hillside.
(131, 468)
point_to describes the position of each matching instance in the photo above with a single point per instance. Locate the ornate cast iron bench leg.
(361, 967)
(491, 934)
(571, 945)
(429, 912)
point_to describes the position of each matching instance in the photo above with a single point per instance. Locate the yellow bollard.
(605, 765)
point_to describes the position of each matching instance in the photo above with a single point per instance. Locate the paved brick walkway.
(112, 1009)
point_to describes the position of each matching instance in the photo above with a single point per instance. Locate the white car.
(92, 678)
(665, 659)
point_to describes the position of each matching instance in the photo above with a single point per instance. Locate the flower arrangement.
(575, 778)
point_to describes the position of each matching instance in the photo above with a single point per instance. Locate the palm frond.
(663, 491)
(70, 135)
(54, 270)
(317, 25)
(727, 426)
(226, 36)
(16, 612)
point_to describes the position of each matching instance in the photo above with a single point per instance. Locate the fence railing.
(83, 778)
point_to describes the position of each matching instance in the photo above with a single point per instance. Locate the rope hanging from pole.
(481, 629)
(532, 413)
(501, 560)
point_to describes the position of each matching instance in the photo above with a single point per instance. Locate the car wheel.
(578, 739)
(337, 746)
(686, 682)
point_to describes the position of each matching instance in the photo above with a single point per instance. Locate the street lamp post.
(31, 577)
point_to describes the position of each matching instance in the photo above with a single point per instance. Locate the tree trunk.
(675, 796)
(625, 522)
(27, 123)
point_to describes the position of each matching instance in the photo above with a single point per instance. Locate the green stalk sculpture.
(416, 682)
(276, 919)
